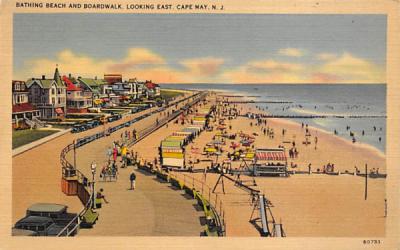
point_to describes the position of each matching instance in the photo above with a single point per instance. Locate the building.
(153, 90)
(48, 95)
(112, 78)
(24, 114)
(98, 87)
(78, 100)
(127, 89)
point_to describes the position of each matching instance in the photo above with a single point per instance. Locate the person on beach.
(316, 141)
(132, 178)
(309, 168)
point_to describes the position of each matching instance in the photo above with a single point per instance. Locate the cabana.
(270, 162)
(184, 139)
(171, 144)
(187, 134)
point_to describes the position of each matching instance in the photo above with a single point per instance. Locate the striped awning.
(270, 155)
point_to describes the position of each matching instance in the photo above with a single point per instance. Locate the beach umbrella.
(211, 150)
(234, 145)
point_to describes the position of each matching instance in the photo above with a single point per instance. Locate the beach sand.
(314, 205)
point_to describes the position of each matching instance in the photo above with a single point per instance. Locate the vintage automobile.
(78, 128)
(42, 226)
(114, 117)
(48, 219)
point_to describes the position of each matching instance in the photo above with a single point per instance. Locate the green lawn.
(169, 94)
(22, 137)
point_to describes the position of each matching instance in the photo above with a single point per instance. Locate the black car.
(43, 226)
(114, 117)
(78, 128)
(92, 124)
(57, 212)
(48, 219)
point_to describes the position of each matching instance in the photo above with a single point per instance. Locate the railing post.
(74, 154)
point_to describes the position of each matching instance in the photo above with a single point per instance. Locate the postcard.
(206, 124)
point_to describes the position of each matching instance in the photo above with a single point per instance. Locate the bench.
(89, 218)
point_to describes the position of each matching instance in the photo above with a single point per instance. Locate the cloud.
(326, 56)
(273, 66)
(266, 71)
(292, 52)
(206, 66)
(146, 64)
(137, 57)
(349, 68)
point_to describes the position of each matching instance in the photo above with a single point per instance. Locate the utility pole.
(366, 182)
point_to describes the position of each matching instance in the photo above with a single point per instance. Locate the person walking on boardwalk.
(132, 178)
(115, 153)
(124, 150)
(109, 153)
(99, 197)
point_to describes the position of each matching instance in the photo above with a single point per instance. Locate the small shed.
(270, 162)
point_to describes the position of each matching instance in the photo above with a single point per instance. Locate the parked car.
(92, 124)
(78, 128)
(57, 212)
(43, 226)
(47, 219)
(114, 117)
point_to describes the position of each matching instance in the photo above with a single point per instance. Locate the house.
(78, 100)
(48, 95)
(22, 111)
(141, 89)
(152, 89)
(127, 89)
(112, 78)
(98, 87)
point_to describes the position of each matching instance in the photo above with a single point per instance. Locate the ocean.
(361, 107)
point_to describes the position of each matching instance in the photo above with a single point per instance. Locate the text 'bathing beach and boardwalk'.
(105, 6)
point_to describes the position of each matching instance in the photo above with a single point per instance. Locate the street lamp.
(93, 169)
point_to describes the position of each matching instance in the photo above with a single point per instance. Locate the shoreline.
(289, 121)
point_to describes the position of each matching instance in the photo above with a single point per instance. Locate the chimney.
(43, 77)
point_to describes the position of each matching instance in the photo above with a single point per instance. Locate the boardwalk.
(153, 209)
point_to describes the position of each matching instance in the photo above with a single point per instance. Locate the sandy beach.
(316, 205)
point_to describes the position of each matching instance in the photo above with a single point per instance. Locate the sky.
(204, 48)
